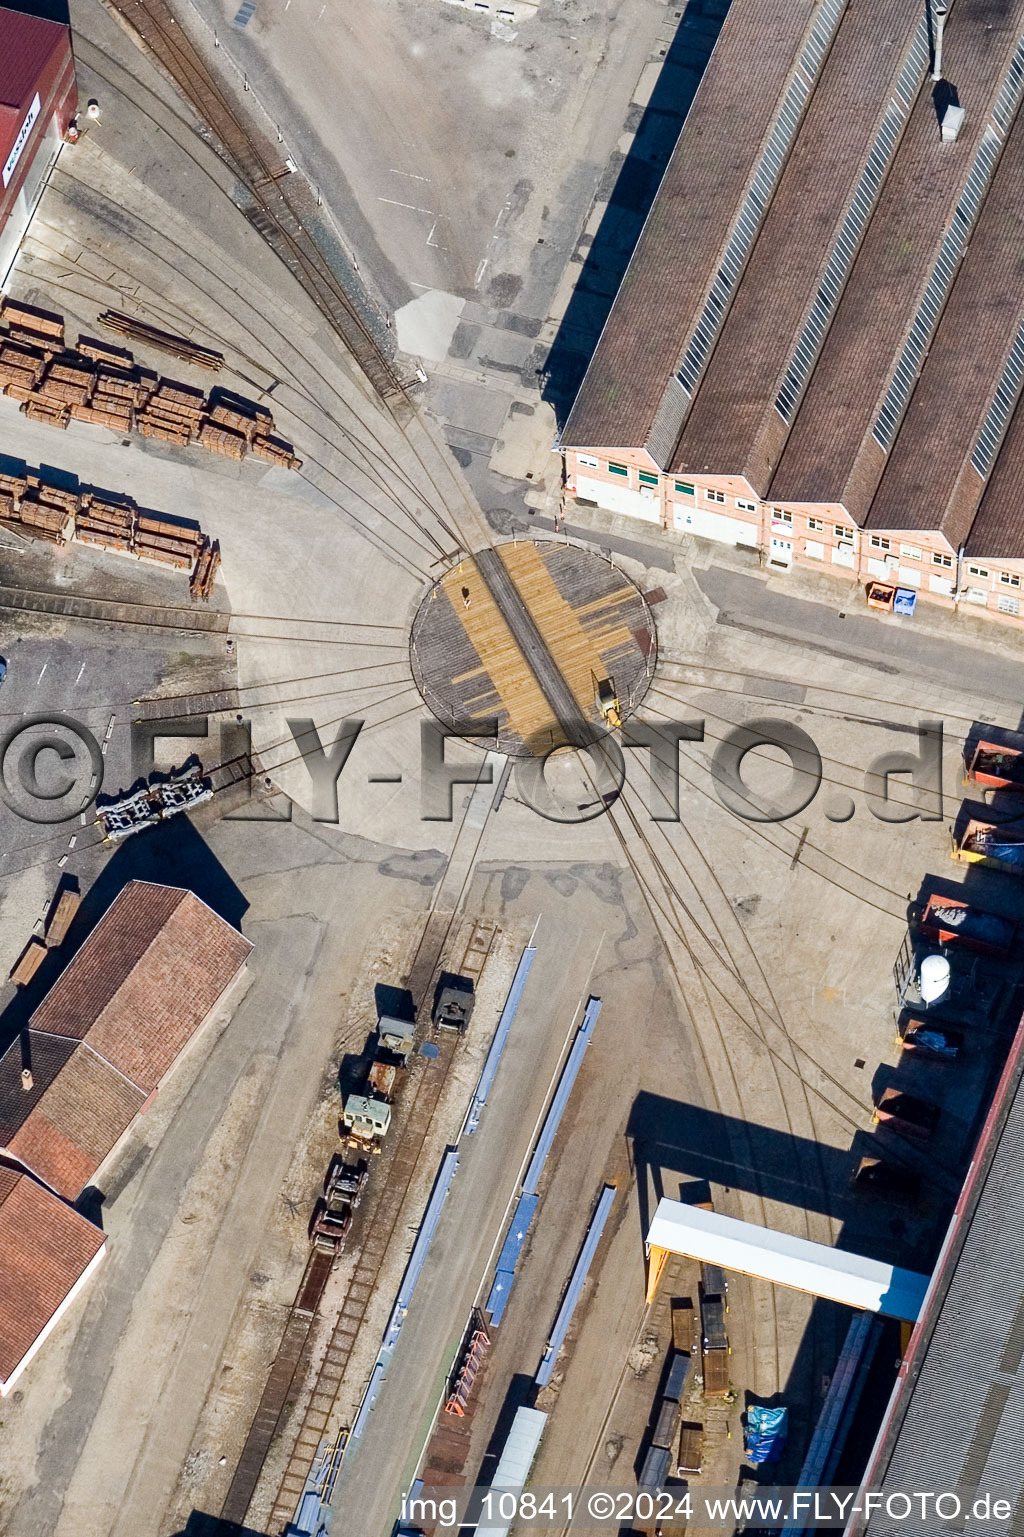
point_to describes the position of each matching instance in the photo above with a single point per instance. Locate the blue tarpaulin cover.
(765, 1437)
(988, 843)
(518, 1231)
(499, 1294)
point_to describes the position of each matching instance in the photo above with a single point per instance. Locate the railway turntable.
(552, 641)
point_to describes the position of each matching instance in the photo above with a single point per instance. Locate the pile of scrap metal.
(154, 803)
(332, 1215)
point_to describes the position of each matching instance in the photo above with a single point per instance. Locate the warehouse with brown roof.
(953, 1420)
(47, 1254)
(38, 99)
(156, 967)
(818, 347)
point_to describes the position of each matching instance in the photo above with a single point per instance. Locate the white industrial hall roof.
(787, 1261)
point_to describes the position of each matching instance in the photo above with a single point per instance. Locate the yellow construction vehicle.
(608, 704)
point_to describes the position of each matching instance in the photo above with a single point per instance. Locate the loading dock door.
(714, 525)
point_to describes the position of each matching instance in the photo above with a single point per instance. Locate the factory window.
(684, 488)
(646, 479)
(939, 559)
(714, 496)
(589, 460)
(878, 543)
(841, 532)
(1009, 578)
(781, 517)
(910, 552)
(617, 469)
(1007, 604)
(746, 506)
(816, 525)
(977, 571)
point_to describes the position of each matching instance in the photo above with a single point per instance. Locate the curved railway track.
(415, 563)
(274, 217)
(152, 20)
(267, 322)
(675, 921)
(374, 463)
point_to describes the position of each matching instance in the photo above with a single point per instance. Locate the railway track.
(380, 1226)
(70, 605)
(572, 722)
(278, 218)
(395, 1175)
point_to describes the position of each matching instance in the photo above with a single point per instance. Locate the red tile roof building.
(47, 1254)
(155, 968)
(818, 346)
(38, 98)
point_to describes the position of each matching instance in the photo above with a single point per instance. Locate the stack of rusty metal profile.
(34, 338)
(102, 383)
(222, 440)
(106, 353)
(105, 520)
(251, 427)
(110, 521)
(20, 368)
(47, 511)
(205, 570)
(246, 417)
(276, 450)
(232, 424)
(12, 488)
(173, 412)
(46, 521)
(34, 507)
(40, 328)
(158, 538)
(65, 388)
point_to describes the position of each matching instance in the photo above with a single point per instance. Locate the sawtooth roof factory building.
(818, 347)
